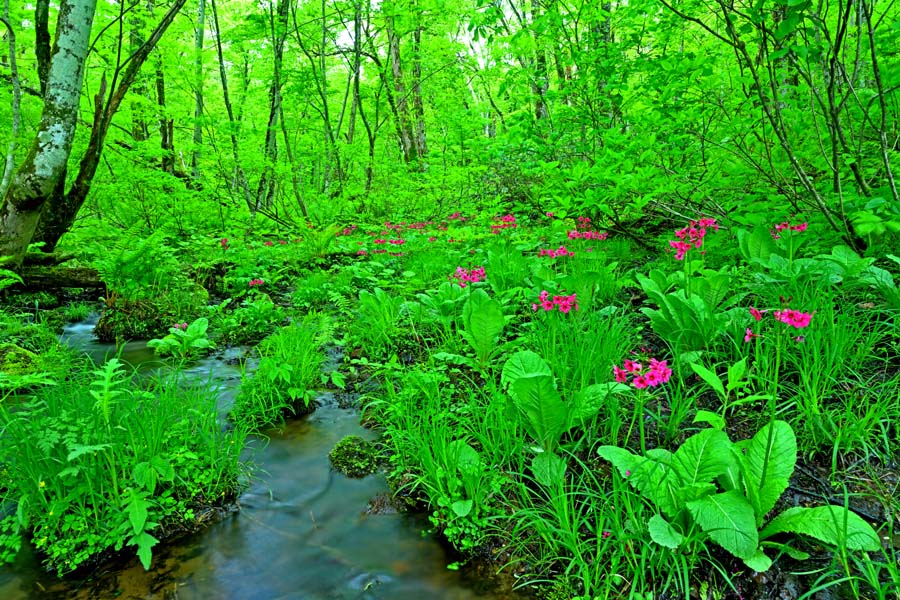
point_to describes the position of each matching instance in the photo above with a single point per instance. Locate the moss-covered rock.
(354, 457)
(18, 361)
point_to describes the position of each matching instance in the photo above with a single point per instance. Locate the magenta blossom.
(691, 236)
(794, 318)
(565, 304)
(465, 276)
(256, 282)
(656, 374)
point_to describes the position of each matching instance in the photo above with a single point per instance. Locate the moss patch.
(18, 361)
(354, 457)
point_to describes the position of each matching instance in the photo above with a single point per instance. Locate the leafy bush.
(713, 488)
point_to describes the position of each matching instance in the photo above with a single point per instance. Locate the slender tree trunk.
(166, 123)
(45, 165)
(418, 106)
(198, 94)
(10, 165)
(401, 103)
(42, 41)
(240, 176)
(278, 23)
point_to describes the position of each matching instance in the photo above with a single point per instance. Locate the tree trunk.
(10, 164)
(401, 105)
(61, 210)
(278, 29)
(45, 165)
(198, 94)
(42, 41)
(418, 106)
(166, 124)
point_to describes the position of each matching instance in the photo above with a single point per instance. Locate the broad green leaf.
(714, 419)
(589, 401)
(137, 511)
(702, 457)
(544, 411)
(549, 469)
(663, 533)
(729, 520)
(524, 363)
(467, 459)
(650, 476)
(462, 508)
(144, 541)
(756, 245)
(736, 374)
(759, 562)
(768, 465)
(830, 524)
(483, 321)
(711, 379)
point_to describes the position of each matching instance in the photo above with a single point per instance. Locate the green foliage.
(289, 365)
(695, 320)
(184, 343)
(93, 463)
(726, 490)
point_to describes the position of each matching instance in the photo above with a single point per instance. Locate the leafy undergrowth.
(718, 420)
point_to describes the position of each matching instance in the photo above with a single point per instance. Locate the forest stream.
(303, 531)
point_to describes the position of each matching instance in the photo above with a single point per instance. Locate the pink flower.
(794, 318)
(267, 243)
(757, 314)
(620, 374)
(224, 243)
(640, 382)
(256, 282)
(691, 236)
(749, 335)
(606, 534)
(632, 367)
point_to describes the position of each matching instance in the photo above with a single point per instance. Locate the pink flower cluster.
(268, 243)
(506, 222)
(346, 231)
(181, 326)
(587, 235)
(256, 282)
(224, 243)
(473, 275)
(584, 223)
(564, 303)
(794, 318)
(691, 236)
(457, 216)
(657, 373)
(561, 251)
(776, 232)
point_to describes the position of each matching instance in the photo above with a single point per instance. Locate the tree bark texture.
(45, 165)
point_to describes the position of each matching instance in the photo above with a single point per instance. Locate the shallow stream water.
(302, 531)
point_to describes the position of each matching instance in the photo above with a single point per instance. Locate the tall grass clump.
(289, 366)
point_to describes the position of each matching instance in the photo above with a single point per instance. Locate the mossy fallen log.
(42, 278)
